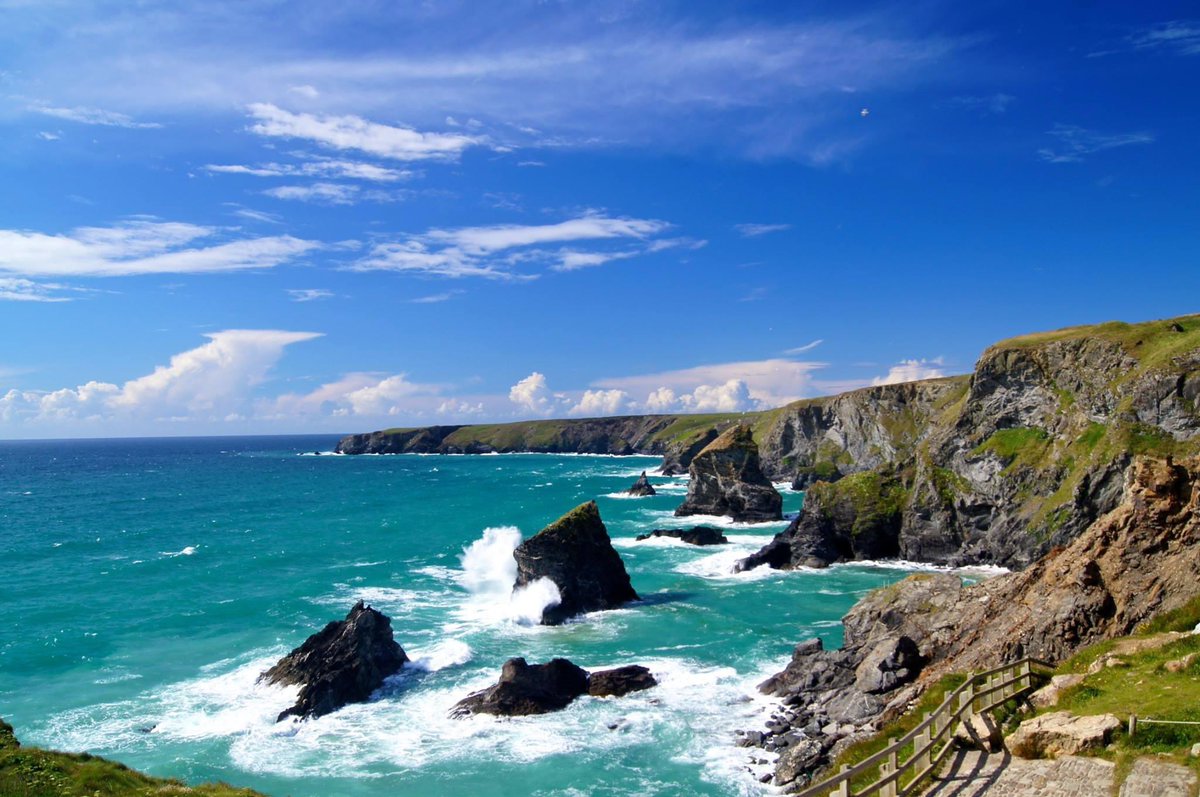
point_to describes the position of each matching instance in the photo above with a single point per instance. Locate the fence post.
(1132, 724)
(889, 768)
(923, 739)
(844, 786)
(967, 700)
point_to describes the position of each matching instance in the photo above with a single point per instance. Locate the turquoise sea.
(146, 583)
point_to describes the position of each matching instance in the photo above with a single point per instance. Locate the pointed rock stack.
(725, 479)
(575, 552)
(343, 663)
(642, 486)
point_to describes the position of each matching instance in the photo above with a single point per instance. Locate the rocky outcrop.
(642, 486)
(1061, 733)
(696, 535)
(575, 552)
(1140, 559)
(525, 689)
(343, 663)
(725, 479)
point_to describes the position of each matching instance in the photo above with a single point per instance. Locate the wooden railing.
(980, 694)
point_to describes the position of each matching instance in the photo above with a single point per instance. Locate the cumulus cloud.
(355, 133)
(601, 402)
(738, 386)
(141, 247)
(493, 251)
(1076, 143)
(211, 381)
(532, 394)
(911, 371)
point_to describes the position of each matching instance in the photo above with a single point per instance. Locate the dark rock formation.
(725, 479)
(808, 475)
(696, 535)
(642, 486)
(859, 517)
(525, 689)
(575, 552)
(343, 663)
(1140, 559)
(678, 457)
(620, 681)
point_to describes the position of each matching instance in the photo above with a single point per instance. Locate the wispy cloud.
(994, 104)
(804, 348)
(320, 193)
(1076, 143)
(1179, 36)
(93, 116)
(435, 298)
(495, 252)
(309, 294)
(355, 133)
(141, 247)
(258, 215)
(327, 168)
(15, 289)
(755, 230)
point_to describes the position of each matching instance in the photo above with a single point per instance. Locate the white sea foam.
(449, 653)
(665, 518)
(188, 551)
(489, 571)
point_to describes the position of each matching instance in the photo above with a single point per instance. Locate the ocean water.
(146, 583)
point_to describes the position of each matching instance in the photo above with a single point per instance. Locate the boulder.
(1049, 694)
(575, 552)
(1061, 733)
(1182, 663)
(799, 759)
(725, 479)
(620, 681)
(343, 663)
(8, 741)
(525, 689)
(642, 486)
(891, 663)
(697, 535)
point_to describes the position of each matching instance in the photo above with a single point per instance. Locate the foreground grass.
(31, 772)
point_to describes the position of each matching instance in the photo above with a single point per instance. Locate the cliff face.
(995, 467)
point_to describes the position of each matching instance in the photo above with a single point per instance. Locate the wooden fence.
(980, 694)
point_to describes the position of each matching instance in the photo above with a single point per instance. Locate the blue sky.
(263, 216)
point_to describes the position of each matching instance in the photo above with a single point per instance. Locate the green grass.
(31, 772)
(1183, 618)
(1025, 443)
(875, 496)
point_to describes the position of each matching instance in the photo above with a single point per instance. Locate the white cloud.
(435, 298)
(532, 394)
(328, 168)
(768, 383)
(212, 381)
(994, 104)
(320, 193)
(459, 408)
(1076, 143)
(140, 247)
(596, 403)
(93, 116)
(309, 294)
(1180, 36)
(15, 289)
(755, 230)
(356, 133)
(492, 251)
(46, 135)
(804, 348)
(662, 400)
(911, 371)
(306, 91)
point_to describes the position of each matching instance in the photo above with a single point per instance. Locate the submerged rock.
(525, 689)
(697, 535)
(725, 479)
(343, 663)
(575, 552)
(642, 486)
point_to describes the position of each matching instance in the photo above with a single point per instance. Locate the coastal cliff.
(995, 467)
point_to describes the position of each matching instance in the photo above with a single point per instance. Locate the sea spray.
(489, 572)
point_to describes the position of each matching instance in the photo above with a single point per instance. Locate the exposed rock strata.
(642, 486)
(725, 479)
(343, 663)
(575, 552)
(1140, 559)
(696, 535)
(525, 689)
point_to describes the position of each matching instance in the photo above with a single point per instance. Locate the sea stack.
(725, 479)
(575, 552)
(343, 663)
(642, 486)
(525, 689)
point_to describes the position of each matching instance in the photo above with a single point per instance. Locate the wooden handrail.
(961, 701)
